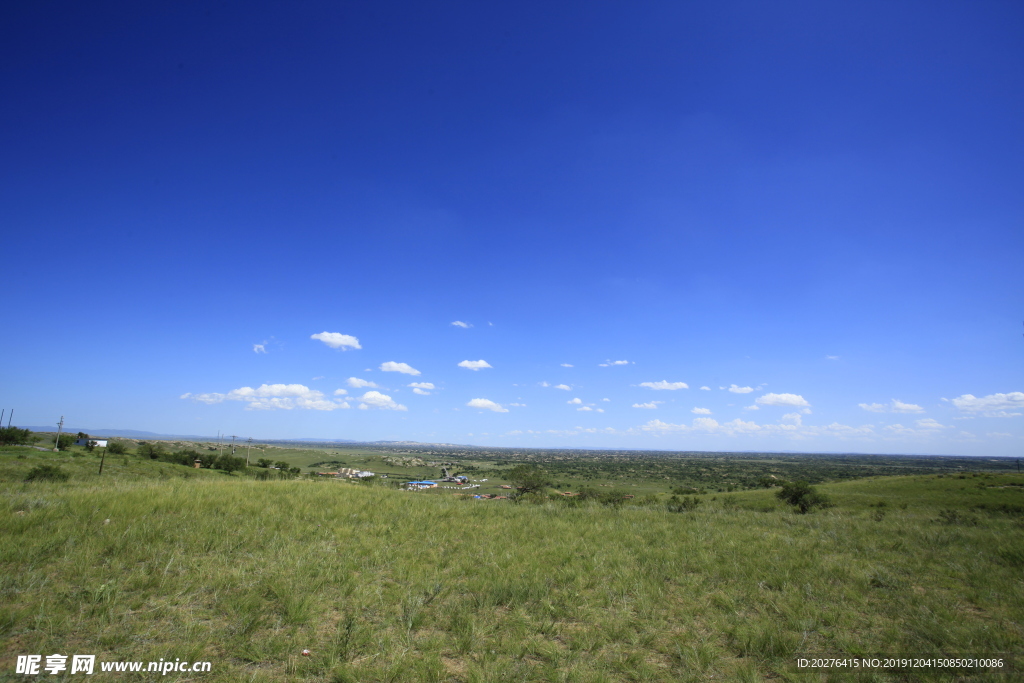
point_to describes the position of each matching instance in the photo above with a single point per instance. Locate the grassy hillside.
(383, 585)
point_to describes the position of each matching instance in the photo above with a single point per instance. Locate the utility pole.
(60, 426)
(248, 445)
(103, 457)
(2, 417)
(9, 416)
(233, 437)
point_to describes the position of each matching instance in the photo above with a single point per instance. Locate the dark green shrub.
(116, 447)
(802, 496)
(153, 451)
(684, 504)
(10, 436)
(65, 441)
(957, 517)
(264, 462)
(46, 473)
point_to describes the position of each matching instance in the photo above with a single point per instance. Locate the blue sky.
(817, 202)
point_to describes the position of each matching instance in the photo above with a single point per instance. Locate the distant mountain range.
(131, 433)
(138, 434)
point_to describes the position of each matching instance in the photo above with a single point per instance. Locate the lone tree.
(802, 496)
(153, 451)
(527, 479)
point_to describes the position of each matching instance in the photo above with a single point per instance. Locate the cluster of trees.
(12, 436)
(682, 503)
(224, 462)
(280, 465)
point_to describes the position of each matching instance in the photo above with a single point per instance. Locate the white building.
(101, 443)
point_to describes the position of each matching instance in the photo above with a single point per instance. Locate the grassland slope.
(382, 585)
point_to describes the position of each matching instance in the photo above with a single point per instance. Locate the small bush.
(957, 517)
(684, 504)
(46, 473)
(802, 496)
(116, 447)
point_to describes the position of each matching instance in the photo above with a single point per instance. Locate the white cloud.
(900, 430)
(586, 409)
(574, 400)
(926, 427)
(701, 411)
(651, 405)
(459, 323)
(993, 405)
(564, 387)
(894, 406)
(567, 365)
(832, 357)
(208, 399)
(782, 400)
(841, 430)
(606, 399)
(421, 392)
(665, 385)
(485, 404)
(259, 348)
(751, 407)
(518, 405)
(375, 399)
(318, 377)
(357, 383)
(705, 388)
(609, 363)
(336, 340)
(422, 385)
(791, 424)
(273, 396)
(704, 424)
(404, 368)
(740, 390)
(340, 392)
(474, 364)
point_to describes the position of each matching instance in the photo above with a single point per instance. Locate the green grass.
(383, 585)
